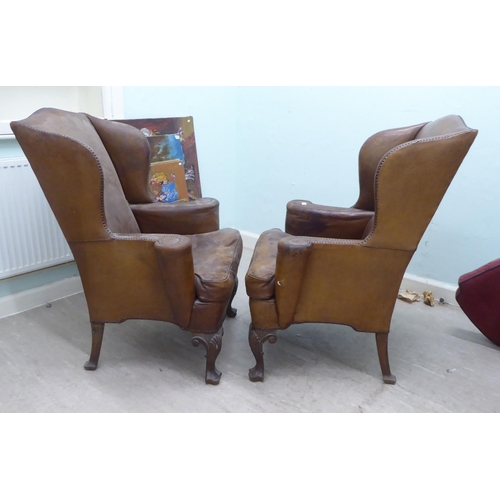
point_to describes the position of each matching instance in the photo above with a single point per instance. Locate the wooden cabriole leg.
(256, 339)
(213, 344)
(97, 333)
(231, 311)
(383, 357)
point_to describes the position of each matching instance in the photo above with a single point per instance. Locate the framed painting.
(172, 142)
(168, 182)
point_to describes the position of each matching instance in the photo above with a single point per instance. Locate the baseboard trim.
(249, 239)
(410, 281)
(28, 299)
(439, 289)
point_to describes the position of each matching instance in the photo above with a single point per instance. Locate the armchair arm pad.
(304, 218)
(175, 259)
(175, 262)
(291, 263)
(182, 217)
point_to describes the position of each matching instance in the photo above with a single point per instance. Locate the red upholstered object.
(478, 295)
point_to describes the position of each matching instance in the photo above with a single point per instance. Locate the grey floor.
(442, 363)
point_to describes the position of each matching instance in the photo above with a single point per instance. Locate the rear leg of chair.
(383, 356)
(97, 333)
(213, 345)
(256, 339)
(231, 311)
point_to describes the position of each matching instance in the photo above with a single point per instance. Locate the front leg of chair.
(256, 339)
(97, 333)
(213, 344)
(383, 357)
(231, 311)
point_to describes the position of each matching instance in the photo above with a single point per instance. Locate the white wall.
(260, 147)
(20, 101)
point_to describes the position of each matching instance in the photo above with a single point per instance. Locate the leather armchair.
(138, 259)
(345, 265)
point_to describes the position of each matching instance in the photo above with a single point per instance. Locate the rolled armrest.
(175, 259)
(291, 263)
(182, 217)
(260, 277)
(304, 218)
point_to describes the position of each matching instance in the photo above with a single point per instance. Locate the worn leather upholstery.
(192, 217)
(260, 277)
(144, 260)
(345, 265)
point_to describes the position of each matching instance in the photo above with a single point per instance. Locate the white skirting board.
(410, 281)
(35, 297)
(438, 288)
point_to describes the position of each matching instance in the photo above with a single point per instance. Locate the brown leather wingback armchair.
(345, 265)
(137, 258)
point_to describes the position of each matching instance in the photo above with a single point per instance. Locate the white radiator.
(30, 237)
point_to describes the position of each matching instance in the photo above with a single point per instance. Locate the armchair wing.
(132, 165)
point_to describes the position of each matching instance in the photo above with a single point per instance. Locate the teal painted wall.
(260, 147)
(9, 148)
(36, 279)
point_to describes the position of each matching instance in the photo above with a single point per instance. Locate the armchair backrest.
(411, 180)
(76, 172)
(129, 150)
(370, 154)
(376, 146)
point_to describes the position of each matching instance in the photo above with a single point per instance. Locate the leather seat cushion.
(216, 256)
(478, 295)
(259, 280)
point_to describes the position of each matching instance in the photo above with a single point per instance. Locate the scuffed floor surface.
(442, 363)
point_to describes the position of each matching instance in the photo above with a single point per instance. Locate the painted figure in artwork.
(168, 192)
